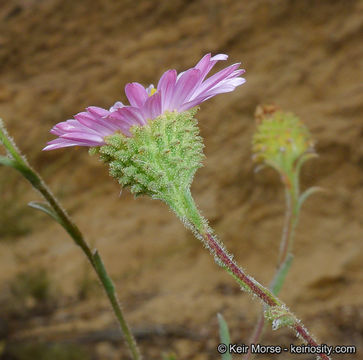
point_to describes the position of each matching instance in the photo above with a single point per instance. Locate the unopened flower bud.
(280, 140)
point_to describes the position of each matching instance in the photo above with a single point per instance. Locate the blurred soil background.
(59, 56)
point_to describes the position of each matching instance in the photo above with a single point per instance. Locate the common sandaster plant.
(153, 147)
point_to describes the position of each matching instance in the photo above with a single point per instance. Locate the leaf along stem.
(18, 161)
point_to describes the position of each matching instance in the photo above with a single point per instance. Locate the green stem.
(20, 163)
(291, 220)
(286, 232)
(225, 260)
(116, 306)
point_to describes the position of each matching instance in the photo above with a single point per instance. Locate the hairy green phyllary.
(159, 159)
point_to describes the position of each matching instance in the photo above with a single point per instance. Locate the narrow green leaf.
(9, 144)
(22, 167)
(278, 281)
(303, 158)
(42, 206)
(309, 192)
(4, 160)
(224, 336)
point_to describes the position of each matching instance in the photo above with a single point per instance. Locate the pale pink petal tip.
(173, 93)
(219, 57)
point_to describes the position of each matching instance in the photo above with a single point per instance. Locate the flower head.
(174, 92)
(158, 160)
(281, 140)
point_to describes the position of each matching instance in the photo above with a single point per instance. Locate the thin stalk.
(291, 219)
(285, 255)
(275, 287)
(256, 335)
(225, 260)
(287, 229)
(21, 164)
(255, 288)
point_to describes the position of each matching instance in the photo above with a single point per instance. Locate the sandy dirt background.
(59, 56)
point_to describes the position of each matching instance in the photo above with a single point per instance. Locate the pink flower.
(173, 93)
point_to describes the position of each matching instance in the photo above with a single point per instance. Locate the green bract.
(280, 317)
(159, 159)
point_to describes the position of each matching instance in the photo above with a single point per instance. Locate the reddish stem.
(264, 295)
(305, 335)
(256, 335)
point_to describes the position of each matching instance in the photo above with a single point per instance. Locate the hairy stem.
(255, 288)
(19, 162)
(285, 256)
(275, 287)
(249, 284)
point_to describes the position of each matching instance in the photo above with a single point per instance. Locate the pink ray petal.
(206, 64)
(184, 88)
(132, 114)
(136, 94)
(97, 111)
(94, 122)
(116, 105)
(166, 86)
(152, 106)
(60, 143)
(213, 80)
(174, 92)
(83, 137)
(225, 86)
(196, 101)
